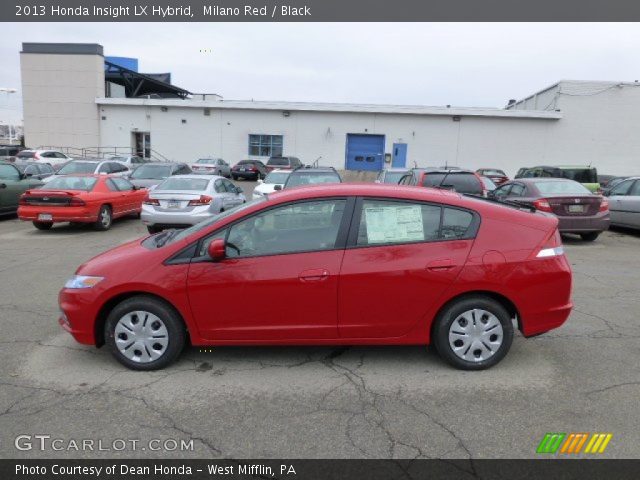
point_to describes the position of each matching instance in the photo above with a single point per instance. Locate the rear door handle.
(315, 275)
(440, 265)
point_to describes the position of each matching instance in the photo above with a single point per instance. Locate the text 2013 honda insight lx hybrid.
(329, 265)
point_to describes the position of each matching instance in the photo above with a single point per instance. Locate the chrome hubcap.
(141, 336)
(105, 218)
(475, 335)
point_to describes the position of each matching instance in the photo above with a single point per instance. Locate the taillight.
(77, 202)
(604, 205)
(150, 201)
(23, 200)
(203, 200)
(36, 156)
(542, 204)
(552, 247)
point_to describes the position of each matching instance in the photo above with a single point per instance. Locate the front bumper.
(596, 223)
(78, 311)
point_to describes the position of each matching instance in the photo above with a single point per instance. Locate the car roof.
(164, 164)
(314, 169)
(195, 175)
(542, 179)
(396, 170)
(280, 170)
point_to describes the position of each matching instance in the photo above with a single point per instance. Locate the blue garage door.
(365, 152)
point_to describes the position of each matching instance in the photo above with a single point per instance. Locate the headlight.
(82, 281)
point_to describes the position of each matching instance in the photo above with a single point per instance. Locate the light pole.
(8, 91)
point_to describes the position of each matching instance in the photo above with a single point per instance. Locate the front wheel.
(104, 218)
(234, 177)
(43, 225)
(473, 333)
(589, 237)
(144, 333)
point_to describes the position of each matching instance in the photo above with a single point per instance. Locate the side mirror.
(217, 249)
(277, 187)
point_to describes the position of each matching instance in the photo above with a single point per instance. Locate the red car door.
(401, 258)
(279, 280)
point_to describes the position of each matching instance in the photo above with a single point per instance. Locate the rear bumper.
(154, 217)
(59, 214)
(245, 174)
(596, 223)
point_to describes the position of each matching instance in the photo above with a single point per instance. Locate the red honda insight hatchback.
(343, 264)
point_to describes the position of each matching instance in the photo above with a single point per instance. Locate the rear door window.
(456, 223)
(622, 188)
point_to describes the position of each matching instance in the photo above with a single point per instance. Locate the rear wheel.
(43, 225)
(235, 177)
(589, 237)
(144, 333)
(104, 218)
(473, 333)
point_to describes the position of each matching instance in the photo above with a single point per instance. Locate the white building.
(572, 122)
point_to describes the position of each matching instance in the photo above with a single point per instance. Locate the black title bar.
(317, 10)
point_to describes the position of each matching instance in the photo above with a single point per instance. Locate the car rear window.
(560, 187)
(71, 183)
(151, 172)
(461, 182)
(582, 175)
(492, 172)
(77, 167)
(277, 178)
(312, 178)
(207, 160)
(177, 183)
(26, 154)
(278, 161)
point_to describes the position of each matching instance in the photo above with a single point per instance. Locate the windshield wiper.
(164, 237)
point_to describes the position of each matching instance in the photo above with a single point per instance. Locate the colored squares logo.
(573, 443)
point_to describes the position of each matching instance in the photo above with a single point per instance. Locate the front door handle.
(315, 275)
(440, 265)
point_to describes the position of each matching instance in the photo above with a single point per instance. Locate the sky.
(458, 64)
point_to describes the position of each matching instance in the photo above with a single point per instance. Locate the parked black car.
(249, 169)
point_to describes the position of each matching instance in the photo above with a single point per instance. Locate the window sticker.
(394, 224)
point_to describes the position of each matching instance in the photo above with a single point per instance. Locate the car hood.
(117, 259)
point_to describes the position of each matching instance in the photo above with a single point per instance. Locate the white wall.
(59, 92)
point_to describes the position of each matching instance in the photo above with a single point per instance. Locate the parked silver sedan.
(184, 200)
(624, 203)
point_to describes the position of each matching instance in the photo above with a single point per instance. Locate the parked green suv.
(12, 184)
(586, 175)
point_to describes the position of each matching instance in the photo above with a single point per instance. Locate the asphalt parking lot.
(369, 402)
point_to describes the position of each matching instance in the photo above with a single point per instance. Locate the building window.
(265, 145)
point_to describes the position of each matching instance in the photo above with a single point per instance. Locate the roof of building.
(331, 107)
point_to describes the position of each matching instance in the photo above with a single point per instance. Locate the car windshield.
(312, 178)
(276, 178)
(119, 159)
(493, 172)
(582, 175)
(547, 188)
(151, 172)
(78, 167)
(182, 183)
(462, 182)
(179, 235)
(71, 183)
(278, 161)
(488, 183)
(393, 177)
(206, 160)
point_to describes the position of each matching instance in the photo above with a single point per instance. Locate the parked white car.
(184, 200)
(268, 185)
(76, 167)
(131, 161)
(52, 157)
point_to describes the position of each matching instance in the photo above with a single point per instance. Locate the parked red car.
(96, 199)
(578, 210)
(497, 176)
(454, 271)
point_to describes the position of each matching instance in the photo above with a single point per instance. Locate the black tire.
(234, 177)
(105, 219)
(153, 229)
(589, 237)
(452, 313)
(172, 321)
(43, 225)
